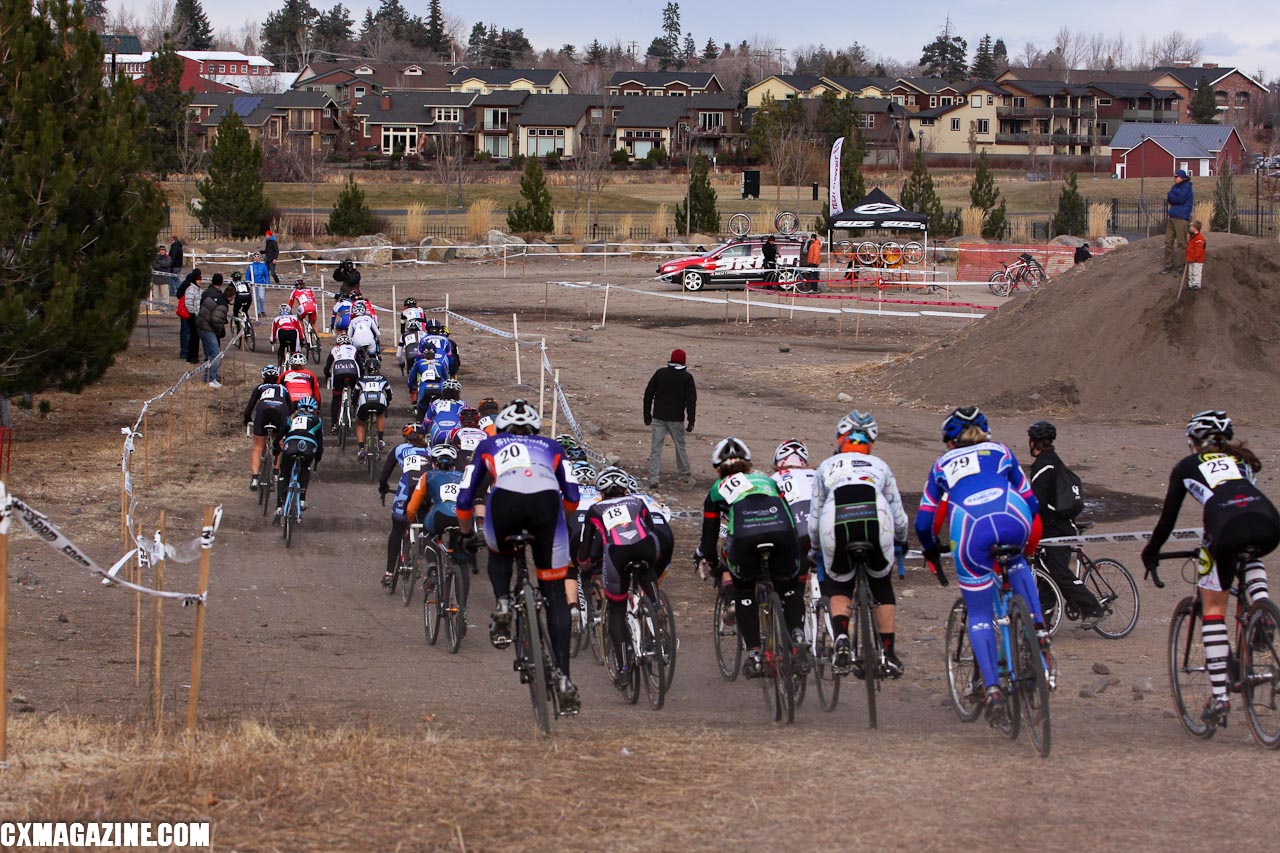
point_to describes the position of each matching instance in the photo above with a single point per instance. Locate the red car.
(734, 263)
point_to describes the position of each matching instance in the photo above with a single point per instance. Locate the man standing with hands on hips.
(669, 400)
(1181, 199)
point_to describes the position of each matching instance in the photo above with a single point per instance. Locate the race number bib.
(449, 492)
(431, 374)
(373, 388)
(513, 457)
(1219, 470)
(957, 468)
(734, 487)
(299, 422)
(468, 442)
(413, 464)
(615, 516)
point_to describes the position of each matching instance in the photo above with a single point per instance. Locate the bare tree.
(158, 21)
(452, 167)
(1177, 46)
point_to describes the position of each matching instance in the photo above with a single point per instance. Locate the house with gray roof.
(536, 81)
(546, 123)
(296, 120)
(406, 122)
(1159, 150)
(664, 83)
(701, 124)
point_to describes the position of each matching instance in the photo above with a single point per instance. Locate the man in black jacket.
(669, 400)
(1044, 484)
(175, 255)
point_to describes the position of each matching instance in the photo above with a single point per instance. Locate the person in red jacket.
(1195, 256)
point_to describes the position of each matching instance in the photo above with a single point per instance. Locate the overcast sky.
(1246, 35)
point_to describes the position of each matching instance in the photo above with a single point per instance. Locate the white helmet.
(792, 453)
(730, 448)
(858, 422)
(518, 413)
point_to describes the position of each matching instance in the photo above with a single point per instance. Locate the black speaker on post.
(751, 183)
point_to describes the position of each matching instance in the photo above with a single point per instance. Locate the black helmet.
(1042, 431)
(411, 303)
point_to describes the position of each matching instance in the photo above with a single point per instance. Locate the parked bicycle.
(1024, 272)
(1108, 580)
(1253, 662)
(1024, 674)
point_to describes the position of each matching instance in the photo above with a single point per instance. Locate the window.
(1102, 128)
(911, 100)
(447, 114)
(710, 121)
(633, 92)
(1242, 99)
(614, 115)
(402, 139)
(413, 71)
(926, 122)
(1019, 101)
(674, 94)
(497, 146)
(933, 101)
(955, 124)
(946, 100)
(898, 99)
(244, 69)
(991, 100)
(222, 69)
(975, 101)
(984, 126)
(495, 119)
(597, 115)
(302, 120)
(1104, 102)
(544, 140)
(359, 90)
(868, 121)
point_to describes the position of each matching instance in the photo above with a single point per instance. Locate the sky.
(1248, 37)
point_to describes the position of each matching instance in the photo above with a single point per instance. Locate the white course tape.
(1186, 534)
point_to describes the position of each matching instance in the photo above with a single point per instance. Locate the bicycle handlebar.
(1154, 573)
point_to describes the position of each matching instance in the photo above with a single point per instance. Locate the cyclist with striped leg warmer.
(990, 503)
(415, 444)
(856, 499)
(531, 491)
(757, 514)
(1221, 474)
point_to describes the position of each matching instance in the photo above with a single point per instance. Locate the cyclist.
(437, 495)
(302, 445)
(437, 334)
(468, 434)
(488, 409)
(414, 445)
(1238, 519)
(795, 483)
(299, 380)
(303, 302)
(441, 417)
(286, 333)
(990, 503)
(268, 404)
(340, 317)
(341, 371)
(407, 351)
(618, 531)
(576, 522)
(856, 499)
(1057, 561)
(756, 514)
(413, 466)
(244, 296)
(532, 490)
(373, 398)
(426, 379)
(363, 330)
(411, 314)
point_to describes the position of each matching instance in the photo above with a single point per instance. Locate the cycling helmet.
(410, 429)
(575, 452)
(373, 365)
(469, 417)
(433, 326)
(518, 414)
(1042, 431)
(613, 477)
(298, 359)
(488, 406)
(451, 385)
(1211, 423)
(442, 453)
(237, 276)
(270, 372)
(359, 310)
(791, 454)
(411, 303)
(308, 404)
(300, 282)
(584, 471)
(342, 340)
(633, 485)
(444, 330)
(858, 422)
(961, 419)
(285, 310)
(730, 448)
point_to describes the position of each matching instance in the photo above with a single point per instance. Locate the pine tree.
(533, 215)
(984, 61)
(351, 216)
(165, 105)
(284, 30)
(710, 53)
(232, 196)
(701, 214)
(1072, 217)
(945, 57)
(919, 195)
(1000, 55)
(1204, 104)
(333, 31)
(78, 218)
(983, 194)
(478, 44)
(191, 26)
(95, 12)
(437, 38)
(689, 53)
(1224, 204)
(596, 54)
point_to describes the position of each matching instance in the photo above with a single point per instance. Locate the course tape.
(39, 524)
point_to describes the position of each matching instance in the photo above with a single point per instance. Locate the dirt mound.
(1107, 339)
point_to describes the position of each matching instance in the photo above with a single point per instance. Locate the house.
(921, 93)
(969, 117)
(209, 71)
(785, 87)
(120, 43)
(491, 121)
(300, 121)
(482, 81)
(669, 83)
(1159, 150)
(1048, 115)
(547, 123)
(351, 80)
(1234, 91)
(701, 124)
(860, 87)
(406, 122)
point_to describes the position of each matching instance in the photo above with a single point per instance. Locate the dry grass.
(578, 225)
(971, 221)
(1099, 215)
(1204, 212)
(415, 221)
(762, 223)
(659, 221)
(625, 224)
(480, 217)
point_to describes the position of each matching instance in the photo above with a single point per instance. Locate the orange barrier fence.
(977, 261)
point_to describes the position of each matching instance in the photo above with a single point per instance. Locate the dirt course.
(379, 742)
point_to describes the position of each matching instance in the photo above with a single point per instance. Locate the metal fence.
(1144, 216)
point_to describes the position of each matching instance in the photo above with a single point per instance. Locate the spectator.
(769, 251)
(812, 257)
(212, 325)
(175, 254)
(1180, 200)
(1082, 253)
(1195, 256)
(669, 399)
(258, 275)
(348, 276)
(271, 251)
(188, 296)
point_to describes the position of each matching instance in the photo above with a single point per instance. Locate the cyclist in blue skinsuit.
(991, 503)
(441, 417)
(426, 378)
(413, 465)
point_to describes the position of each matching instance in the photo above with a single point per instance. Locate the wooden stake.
(524, 263)
(137, 617)
(145, 474)
(157, 620)
(197, 656)
(542, 377)
(168, 430)
(604, 315)
(747, 290)
(504, 260)
(515, 328)
(546, 291)
(4, 646)
(555, 401)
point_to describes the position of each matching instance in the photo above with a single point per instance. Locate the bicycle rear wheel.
(653, 673)
(1188, 670)
(431, 594)
(313, 345)
(530, 647)
(266, 478)
(630, 684)
(287, 522)
(775, 649)
(739, 225)
(1030, 681)
(999, 283)
(826, 681)
(1117, 592)
(728, 643)
(250, 335)
(868, 651)
(1050, 598)
(451, 604)
(964, 680)
(670, 645)
(1261, 668)
(371, 449)
(408, 572)
(595, 617)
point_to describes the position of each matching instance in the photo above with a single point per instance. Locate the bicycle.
(820, 644)
(292, 510)
(787, 222)
(591, 603)
(1253, 663)
(868, 645)
(312, 341)
(244, 327)
(724, 628)
(267, 469)
(406, 572)
(646, 645)
(1108, 580)
(344, 418)
(1023, 672)
(371, 451)
(454, 587)
(534, 658)
(1024, 272)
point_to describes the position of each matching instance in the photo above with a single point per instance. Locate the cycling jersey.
(427, 376)
(268, 404)
(410, 315)
(301, 382)
(441, 419)
(437, 491)
(466, 439)
(445, 348)
(796, 487)
(285, 323)
(364, 332)
(855, 499)
(408, 482)
(374, 390)
(752, 505)
(341, 317)
(303, 301)
(619, 531)
(342, 359)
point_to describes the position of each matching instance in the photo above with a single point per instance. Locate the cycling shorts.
(345, 378)
(287, 339)
(542, 515)
(275, 414)
(367, 409)
(1254, 532)
(617, 577)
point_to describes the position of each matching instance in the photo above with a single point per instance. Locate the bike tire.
(630, 688)
(1030, 679)
(867, 253)
(826, 681)
(431, 596)
(775, 648)
(787, 222)
(1000, 286)
(1011, 726)
(287, 523)
(1188, 671)
(410, 573)
(251, 336)
(371, 450)
(455, 614)
(265, 482)
(653, 673)
(964, 680)
(1117, 591)
(313, 345)
(739, 225)
(1051, 603)
(727, 641)
(868, 651)
(532, 642)
(1035, 275)
(595, 617)
(1260, 664)
(670, 645)
(913, 253)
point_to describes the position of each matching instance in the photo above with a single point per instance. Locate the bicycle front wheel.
(670, 645)
(287, 524)
(531, 649)
(451, 604)
(999, 284)
(1050, 598)
(595, 617)
(1030, 680)
(1117, 592)
(408, 573)
(653, 673)
(728, 643)
(1188, 670)
(1261, 668)
(775, 649)
(964, 679)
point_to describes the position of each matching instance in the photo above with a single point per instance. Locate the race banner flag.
(834, 205)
